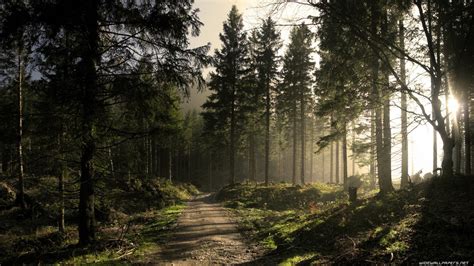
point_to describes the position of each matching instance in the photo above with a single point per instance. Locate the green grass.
(153, 229)
(132, 222)
(432, 221)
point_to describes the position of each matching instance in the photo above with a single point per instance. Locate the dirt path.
(206, 234)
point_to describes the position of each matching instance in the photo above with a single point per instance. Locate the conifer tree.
(225, 106)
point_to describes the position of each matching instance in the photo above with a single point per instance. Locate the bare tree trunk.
(153, 156)
(457, 142)
(386, 178)
(267, 132)
(303, 139)
(404, 106)
(337, 162)
(311, 151)
(344, 157)
(467, 133)
(252, 167)
(353, 148)
(372, 149)
(189, 162)
(387, 145)
(294, 144)
(210, 171)
(323, 164)
(90, 60)
(232, 139)
(61, 225)
(170, 165)
(331, 163)
(21, 186)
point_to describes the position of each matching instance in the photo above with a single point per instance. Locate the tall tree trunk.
(21, 186)
(154, 159)
(386, 185)
(267, 132)
(90, 61)
(232, 139)
(344, 156)
(190, 151)
(353, 148)
(457, 142)
(61, 225)
(311, 152)
(404, 106)
(387, 144)
(379, 147)
(337, 162)
(331, 163)
(294, 144)
(372, 150)
(467, 132)
(170, 165)
(303, 139)
(210, 171)
(61, 172)
(252, 167)
(322, 165)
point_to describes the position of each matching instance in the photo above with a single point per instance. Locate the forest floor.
(134, 221)
(316, 224)
(206, 233)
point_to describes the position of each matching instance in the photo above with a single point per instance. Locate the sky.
(214, 12)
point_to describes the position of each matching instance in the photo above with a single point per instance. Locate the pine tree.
(266, 46)
(225, 105)
(295, 88)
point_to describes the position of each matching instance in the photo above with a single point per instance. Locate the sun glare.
(453, 105)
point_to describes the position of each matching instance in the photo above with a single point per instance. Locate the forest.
(342, 136)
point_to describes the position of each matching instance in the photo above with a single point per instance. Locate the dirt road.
(206, 234)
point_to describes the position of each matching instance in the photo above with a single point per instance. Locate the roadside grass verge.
(132, 222)
(430, 221)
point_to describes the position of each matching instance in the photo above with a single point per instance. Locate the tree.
(266, 45)
(108, 37)
(228, 84)
(295, 88)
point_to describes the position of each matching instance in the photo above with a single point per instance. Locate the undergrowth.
(432, 221)
(133, 220)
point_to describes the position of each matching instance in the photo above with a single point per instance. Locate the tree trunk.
(344, 157)
(447, 163)
(457, 142)
(267, 132)
(210, 171)
(189, 162)
(337, 162)
(294, 144)
(372, 150)
(252, 168)
(153, 156)
(21, 186)
(170, 165)
(311, 152)
(387, 145)
(90, 61)
(232, 139)
(467, 133)
(61, 225)
(404, 106)
(331, 163)
(353, 148)
(303, 140)
(322, 165)
(386, 177)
